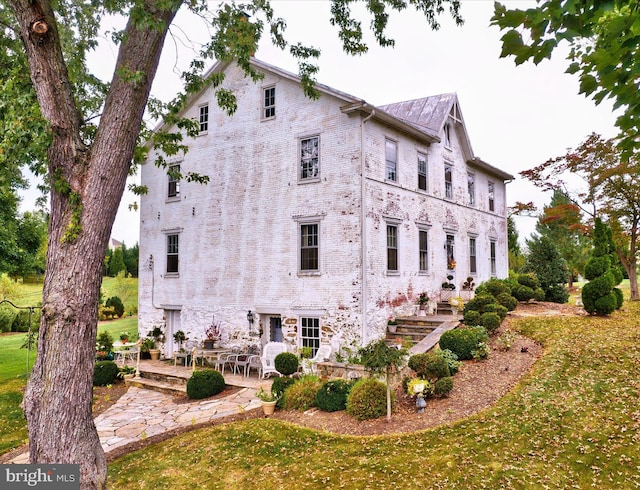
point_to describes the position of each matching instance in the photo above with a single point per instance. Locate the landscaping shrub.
(7, 316)
(302, 394)
(115, 303)
(104, 342)
(436, 367)
(522, 293)
(278, 388)
(490, 321)
(332, 395)
(596, 266)
(462, 341)
(495, 287)
(539, 294)
(443, 386)
(286, 363)
(471, 317)
(104, 373)
(205, 383)
(479, 302)
(496, 308)
(418, 362)
(480, 352)
(619, 297)
(451, 358)
(368, 399)
(556, 293)
(21, 321)
(508, 301)
(529, 280)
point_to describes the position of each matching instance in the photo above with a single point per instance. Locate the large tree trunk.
(86, 187)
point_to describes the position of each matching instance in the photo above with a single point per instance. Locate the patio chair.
(227, 359)
(322, 354)
(240, 361)
(255, 362)
(269, 353)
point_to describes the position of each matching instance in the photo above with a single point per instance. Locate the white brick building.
(322, 217)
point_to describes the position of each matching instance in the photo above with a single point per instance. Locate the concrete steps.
(416, 328)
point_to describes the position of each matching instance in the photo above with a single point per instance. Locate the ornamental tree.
(84, 135)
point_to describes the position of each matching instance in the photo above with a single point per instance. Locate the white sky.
(516, 117)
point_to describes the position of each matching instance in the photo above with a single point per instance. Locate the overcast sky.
(516, 117)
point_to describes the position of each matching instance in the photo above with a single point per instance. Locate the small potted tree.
(179, 337)
(423, 301)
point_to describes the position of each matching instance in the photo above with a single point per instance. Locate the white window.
(310, 333)
(392, 248)
(269, 103)
(172, 254)
(310, 158)
(204, 118)
(491, 197)
(492, 248)
(309, 250)
(422, 171)
(173, 186)
(391, 158)
(448, 181)
(424, 250)
(471, 189)
(472, 256)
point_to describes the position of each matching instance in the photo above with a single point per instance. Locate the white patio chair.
(269, 353)
(322, 354)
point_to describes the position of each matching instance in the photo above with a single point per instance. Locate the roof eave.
(477, 162)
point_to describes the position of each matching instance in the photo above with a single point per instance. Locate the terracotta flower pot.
(269, 407)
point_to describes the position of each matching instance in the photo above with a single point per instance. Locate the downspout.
(363, 226)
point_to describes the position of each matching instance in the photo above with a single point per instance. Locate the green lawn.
(13, 379)
(573, 422)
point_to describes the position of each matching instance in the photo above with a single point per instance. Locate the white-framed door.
(173, 325)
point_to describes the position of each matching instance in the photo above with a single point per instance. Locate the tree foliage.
(611, 187)
(546, 262)
(604, 41)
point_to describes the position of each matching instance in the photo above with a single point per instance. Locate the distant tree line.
(121, 259)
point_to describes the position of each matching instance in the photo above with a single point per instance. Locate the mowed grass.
(573, 422)
(13, 379)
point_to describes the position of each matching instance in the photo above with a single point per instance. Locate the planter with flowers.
(423, 302)
(213, 335)
(392, 324)
(268, 400)
(456, 303)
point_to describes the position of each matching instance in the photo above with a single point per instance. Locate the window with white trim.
(422, 171)
(310, 333)
(492, 249)
(471, 189)
(310, 158)
(423, 250)
(451, 258)
(392, 248)
(309, 249)
(448, 181)
(269, 103)
(172, 253)
(473, 269)
(173, 184)
(204, 118)
(491, 190)
(391, 160)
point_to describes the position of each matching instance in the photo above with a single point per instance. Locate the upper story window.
(473, 269)
(392, 248)
(309, 247)
(310, 158)
(391, 159)
(492, 196)
(447, 135)
(173, 186)
(471, 189)
(448, 181)
(204, 118)
(269, 103)
(422, 171)
(172, 253)
(424, 250)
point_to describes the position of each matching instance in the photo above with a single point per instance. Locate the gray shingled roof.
(428, 112)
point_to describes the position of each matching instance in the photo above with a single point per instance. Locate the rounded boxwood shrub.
(205, 383)
(471, 317)
(443, 386)
(529, 279)
(104, 373)
(479, 302)
(596, 266)
(368, 399)
(522, 293)
(496, 308)
(539, 294)
(418, 362)
(116, 303)
(491, 321)
(556, 293)
(278, 388)
(508, 301)
(463, 341)
(286, 363)
(302, 394)
(436, 367)
(607, 304)
(494, 287)
(332, 395)
(619, 296)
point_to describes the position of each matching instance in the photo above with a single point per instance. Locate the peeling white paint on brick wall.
(238, 235)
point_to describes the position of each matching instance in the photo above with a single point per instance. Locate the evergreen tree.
(545, 261)
(516, 259)
(116, 264)
(599, 295)
(561, 222)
